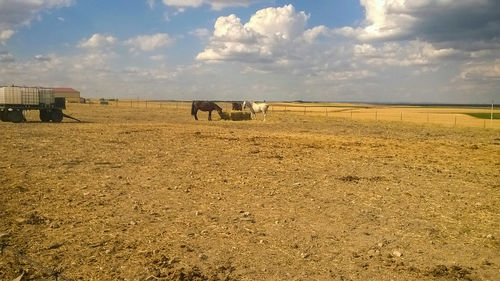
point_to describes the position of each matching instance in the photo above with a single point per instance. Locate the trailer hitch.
(67, 116)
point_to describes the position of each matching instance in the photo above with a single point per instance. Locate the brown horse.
(205, 106)
(237, 106)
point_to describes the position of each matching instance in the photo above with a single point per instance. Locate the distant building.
(70, 94)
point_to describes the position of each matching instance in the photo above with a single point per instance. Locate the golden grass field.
(443, 115)
(148, 193)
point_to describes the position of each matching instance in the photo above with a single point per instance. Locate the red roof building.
(70, 94)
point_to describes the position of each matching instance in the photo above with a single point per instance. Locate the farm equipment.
(15, 100)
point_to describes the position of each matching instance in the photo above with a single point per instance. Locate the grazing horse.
(256, 108)
(237, 106)
(205, 106)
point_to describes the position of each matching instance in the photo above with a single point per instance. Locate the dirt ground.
(152, 194)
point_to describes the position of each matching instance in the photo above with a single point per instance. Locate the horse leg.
(210, 115)
(195, 114)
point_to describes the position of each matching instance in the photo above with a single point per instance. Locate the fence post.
(376, 117)
(326, 111)
(304, 110)
(455, 120)
(401, 116)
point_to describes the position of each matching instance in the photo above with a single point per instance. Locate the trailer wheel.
(45, 115)
(16, 116)
(4, 116)
(56, 115)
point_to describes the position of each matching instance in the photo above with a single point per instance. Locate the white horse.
(256, 108)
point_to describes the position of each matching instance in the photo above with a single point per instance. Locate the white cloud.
(214, 4)
(283, 22)
(97, 41)
(183, 3)
(312, 34)
(6, 57)
(151, 4)
(201, 33)
(157, 58)
(482, 71)
(430, 20)
(149, 42)
(230, 29)
(5, 35)
(271, 35)
(22, 12)
(345, 75)
(403, 53)
(43, 58)
(91, 61)
(222, 4)
(167, 15)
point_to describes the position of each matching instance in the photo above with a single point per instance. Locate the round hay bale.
(240, 116)
(226, 116)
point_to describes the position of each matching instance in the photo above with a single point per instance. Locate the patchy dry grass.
(150, 194)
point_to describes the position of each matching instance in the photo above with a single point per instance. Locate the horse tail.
(193, 111)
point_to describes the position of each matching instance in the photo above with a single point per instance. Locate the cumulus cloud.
(201, 33)
(271, 35)
(6, 57)
(456, 42)
(214, 4)
(5, 35)
(411, 53)
(482, 71)
(157, 58)
(149, 42)
(98, 41)
(183, 3)
(430, 20)
(22, 12)
(93, 62)
(43, 58)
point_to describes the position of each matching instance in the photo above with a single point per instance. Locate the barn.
(70, 94)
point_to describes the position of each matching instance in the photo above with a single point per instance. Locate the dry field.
(151, 194)
(441, 115)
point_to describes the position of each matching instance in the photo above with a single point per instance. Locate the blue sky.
(435, 51)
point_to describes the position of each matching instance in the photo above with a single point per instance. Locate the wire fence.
(448, 116)
(55, 273)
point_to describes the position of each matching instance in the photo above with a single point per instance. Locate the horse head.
(247, 104)
(219, 109)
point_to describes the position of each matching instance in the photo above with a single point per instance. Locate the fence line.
(355, 113)
(51, 272)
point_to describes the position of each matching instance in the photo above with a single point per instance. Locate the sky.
(387, 51)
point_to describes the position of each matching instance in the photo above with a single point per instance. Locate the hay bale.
(240, 116)
(225, 116)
